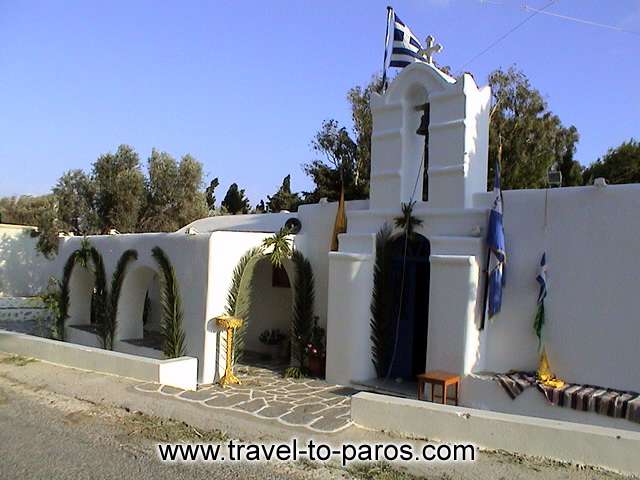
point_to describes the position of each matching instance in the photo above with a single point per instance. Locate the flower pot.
(317, 365)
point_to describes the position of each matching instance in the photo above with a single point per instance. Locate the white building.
(591, 236)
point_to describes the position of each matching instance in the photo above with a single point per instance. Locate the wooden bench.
(444, 380)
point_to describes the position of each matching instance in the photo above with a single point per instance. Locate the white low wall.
(583, 444)
(179, 372)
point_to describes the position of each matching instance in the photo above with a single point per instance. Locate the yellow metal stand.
(230, 324)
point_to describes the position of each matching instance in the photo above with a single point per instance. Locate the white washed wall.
(23, 271)
(592, 241)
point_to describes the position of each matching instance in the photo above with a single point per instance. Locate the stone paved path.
(307, 403)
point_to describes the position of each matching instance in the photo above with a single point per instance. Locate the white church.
(429, 145)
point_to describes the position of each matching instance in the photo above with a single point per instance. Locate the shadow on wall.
(23, 270)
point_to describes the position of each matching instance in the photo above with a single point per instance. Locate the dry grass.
(17, 360)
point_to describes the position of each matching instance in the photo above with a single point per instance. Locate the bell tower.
(457, 132)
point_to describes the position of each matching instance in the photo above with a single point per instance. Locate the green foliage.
(100, 300)
(381, 326)
(407, 222)
(296, 372)
(211, 194)
(120, 186)
(283, 199)
(533, 139)
(303, 306)
(25, 209)
(52, 299)
(111, 324)
(48, 240)
(75, 196)
(235, 202)
(173, 193)
(173, 344)
(280, 245)
(345, 161)
(618, 165)
(239, 296)
(60, 320)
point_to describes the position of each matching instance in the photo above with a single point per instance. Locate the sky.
(244, 85)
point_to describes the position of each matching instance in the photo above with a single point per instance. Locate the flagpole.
(386, 50)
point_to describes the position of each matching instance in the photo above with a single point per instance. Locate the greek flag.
(406, 46)
(542, 278)
(497, 252)
(542, 294)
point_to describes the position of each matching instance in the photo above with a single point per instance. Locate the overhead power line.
(509, 32)
(582, 20)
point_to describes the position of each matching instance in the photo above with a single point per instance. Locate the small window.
(279, 277)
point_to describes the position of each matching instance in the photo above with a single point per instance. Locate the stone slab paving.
(311, 404)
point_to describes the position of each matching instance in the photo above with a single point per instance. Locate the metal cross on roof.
(432, 48)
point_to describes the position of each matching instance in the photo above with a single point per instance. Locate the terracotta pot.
(317, 365)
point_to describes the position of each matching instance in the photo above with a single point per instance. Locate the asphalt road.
(61, 438)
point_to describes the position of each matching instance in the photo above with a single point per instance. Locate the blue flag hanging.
(497, 252)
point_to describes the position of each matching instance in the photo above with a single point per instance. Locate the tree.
(283, 199)
(210, 192)
(337, 168)
(25, 209)
(75, 195)
(344, 161)
(161, 199)
(191, 200)
(260, 207)
(174, 194)
(533, 139)
(235, 201)
(618, 165)
(120, 189)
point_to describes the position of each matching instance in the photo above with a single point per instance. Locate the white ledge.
(350, 257)
(457, 260)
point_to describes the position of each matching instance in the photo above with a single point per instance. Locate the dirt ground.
(63, 423)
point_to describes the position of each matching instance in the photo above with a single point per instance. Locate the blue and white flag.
(542, 294)
(497, 251)
(406, 46)
(542, 278)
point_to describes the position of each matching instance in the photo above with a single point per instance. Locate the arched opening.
(139, 309)
(410, 300)
(269, 323)
(416, 146)
(81, 293)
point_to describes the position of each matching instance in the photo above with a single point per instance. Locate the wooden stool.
(438, 377)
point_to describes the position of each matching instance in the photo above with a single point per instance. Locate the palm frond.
(381, 325)
(280, 243)
(116, 285)
(63, 311)
(303, 306)
(407, 222)
(173, 344)
(100, 299)
(239, 296)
